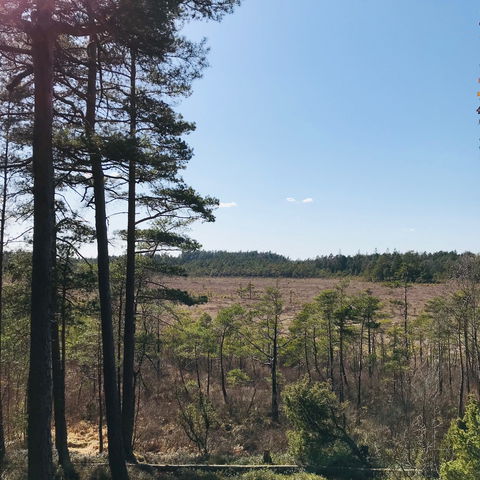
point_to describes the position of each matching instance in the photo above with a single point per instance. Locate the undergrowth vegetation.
(379, 382)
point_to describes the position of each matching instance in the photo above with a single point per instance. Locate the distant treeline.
(378, 267)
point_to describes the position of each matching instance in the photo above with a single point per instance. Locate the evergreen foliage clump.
(461, 455)
(319, 437)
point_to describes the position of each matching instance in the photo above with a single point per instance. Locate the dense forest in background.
(376, 267)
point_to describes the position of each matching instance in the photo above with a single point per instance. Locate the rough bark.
(128, 399)
(40, 376)
(3, 218)
(100, 399)
(61, 435)
(112, 401)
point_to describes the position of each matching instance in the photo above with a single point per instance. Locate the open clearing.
(224, 291)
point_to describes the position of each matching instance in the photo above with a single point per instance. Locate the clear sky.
(364, 108)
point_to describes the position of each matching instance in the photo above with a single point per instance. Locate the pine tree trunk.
(315, 354)
(343, 372)
(39, 390)
(462, 376)
(61, 437)
(128, 400)
(58, 370)
(3, 218)
(112, 401)
(275, 408)
(330, 352)
(119, 340)
(100, 399)
(305, 349)
(222, 369)
(360, 371)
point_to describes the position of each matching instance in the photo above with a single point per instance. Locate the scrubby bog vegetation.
(348, 378)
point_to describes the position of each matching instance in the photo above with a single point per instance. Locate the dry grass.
(223, 292)
(83, 438)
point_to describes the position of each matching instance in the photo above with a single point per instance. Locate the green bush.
(197, 418)
(461, 452)
(237, 377)
(320, 437)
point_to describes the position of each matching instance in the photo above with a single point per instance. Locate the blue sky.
(365, 106)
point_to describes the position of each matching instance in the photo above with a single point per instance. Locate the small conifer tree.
(461, 452)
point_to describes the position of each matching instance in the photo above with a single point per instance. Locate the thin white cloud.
(307, 200)
(291, 200)
(228, 204)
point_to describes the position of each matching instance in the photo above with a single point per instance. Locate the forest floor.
(225, 291)
(94, 468)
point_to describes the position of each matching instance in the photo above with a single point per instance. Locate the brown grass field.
(224, 291)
